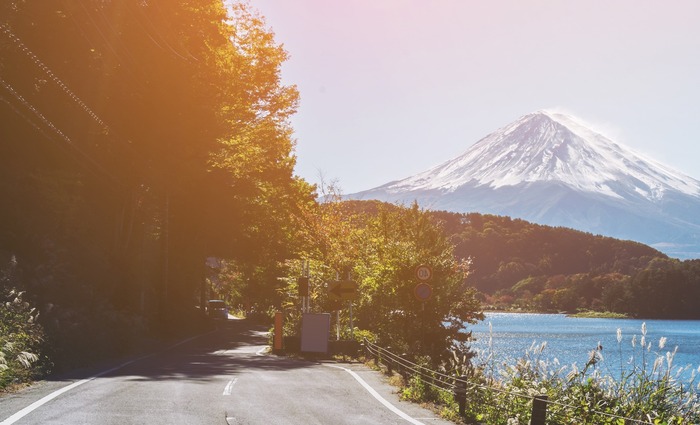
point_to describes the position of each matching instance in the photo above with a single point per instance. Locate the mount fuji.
(549, 168)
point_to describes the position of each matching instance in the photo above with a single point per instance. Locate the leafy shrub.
(648, 390)
(21, 337)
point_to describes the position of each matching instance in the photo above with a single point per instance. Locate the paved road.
(223, 377)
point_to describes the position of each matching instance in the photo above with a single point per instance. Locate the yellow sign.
(342, 290)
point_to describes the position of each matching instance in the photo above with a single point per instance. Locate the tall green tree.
(379, 246)
(397, 241)
(157, 132)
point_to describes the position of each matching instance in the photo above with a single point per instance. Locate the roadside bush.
(21, 337)
(648, 390)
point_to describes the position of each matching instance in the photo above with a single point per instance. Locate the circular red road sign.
(423, 291)
(424, 272)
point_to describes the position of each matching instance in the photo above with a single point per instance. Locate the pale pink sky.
(390, 88)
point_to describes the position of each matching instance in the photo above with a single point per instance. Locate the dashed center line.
(229, 387)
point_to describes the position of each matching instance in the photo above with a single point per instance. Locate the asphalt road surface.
(223, 377)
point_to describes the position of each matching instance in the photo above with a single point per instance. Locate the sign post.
(342, 290)
(424, 273)
(303, 286)
(278, 339)
(422, 291)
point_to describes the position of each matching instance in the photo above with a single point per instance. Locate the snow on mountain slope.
(551, 169)
(547, 146)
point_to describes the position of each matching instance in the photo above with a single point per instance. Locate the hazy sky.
(390, 88)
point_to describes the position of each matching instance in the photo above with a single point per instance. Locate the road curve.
(223, 377)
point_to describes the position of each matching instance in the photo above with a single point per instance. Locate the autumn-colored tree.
(138, 139)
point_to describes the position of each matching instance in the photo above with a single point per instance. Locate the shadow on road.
(234, 345)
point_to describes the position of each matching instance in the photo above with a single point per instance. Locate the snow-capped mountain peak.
(550, 168)
(546, 146)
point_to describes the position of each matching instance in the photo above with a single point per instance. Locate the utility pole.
(304, 287)
(166, 253)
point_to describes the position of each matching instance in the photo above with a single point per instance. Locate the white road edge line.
(262, 351)
(37, 404)
(229, 387)
(376, 395)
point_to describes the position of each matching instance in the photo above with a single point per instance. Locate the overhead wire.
(155, 30)
(153, 33)
(6, 30)
(126, 60)
(20, 113)
(132, 67)
(50, 125)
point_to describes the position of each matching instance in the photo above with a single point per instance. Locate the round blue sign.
(423, 291)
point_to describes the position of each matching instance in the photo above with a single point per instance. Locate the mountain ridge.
(561, 141)
(551, 169)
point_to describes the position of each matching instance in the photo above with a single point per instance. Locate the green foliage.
(666, 288)
(138, 139)
(397, 240)
(379, 246)
(599, 315)
(418, 390)
(648, 389)
(524, 266)
(21, 336)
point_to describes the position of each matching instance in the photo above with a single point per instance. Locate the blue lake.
(570, 340)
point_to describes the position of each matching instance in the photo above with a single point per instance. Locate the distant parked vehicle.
(216, 309)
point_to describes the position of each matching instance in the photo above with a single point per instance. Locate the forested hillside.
(504, 251)
(519, 265)
(516, 264)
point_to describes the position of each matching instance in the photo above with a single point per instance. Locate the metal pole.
(305, 272)
(422, 327)
(167, 245)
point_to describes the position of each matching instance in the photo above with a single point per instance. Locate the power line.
(157, 33)
(105, 128)
(133, 67)
(53, 76)
(50, 125)
(4, 28)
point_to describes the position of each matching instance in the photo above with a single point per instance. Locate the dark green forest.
(519, 265)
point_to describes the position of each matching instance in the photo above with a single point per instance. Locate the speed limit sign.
(424, 273)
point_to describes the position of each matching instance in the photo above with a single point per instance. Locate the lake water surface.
(570, 340)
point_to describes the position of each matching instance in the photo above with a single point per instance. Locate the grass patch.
(588, 314)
